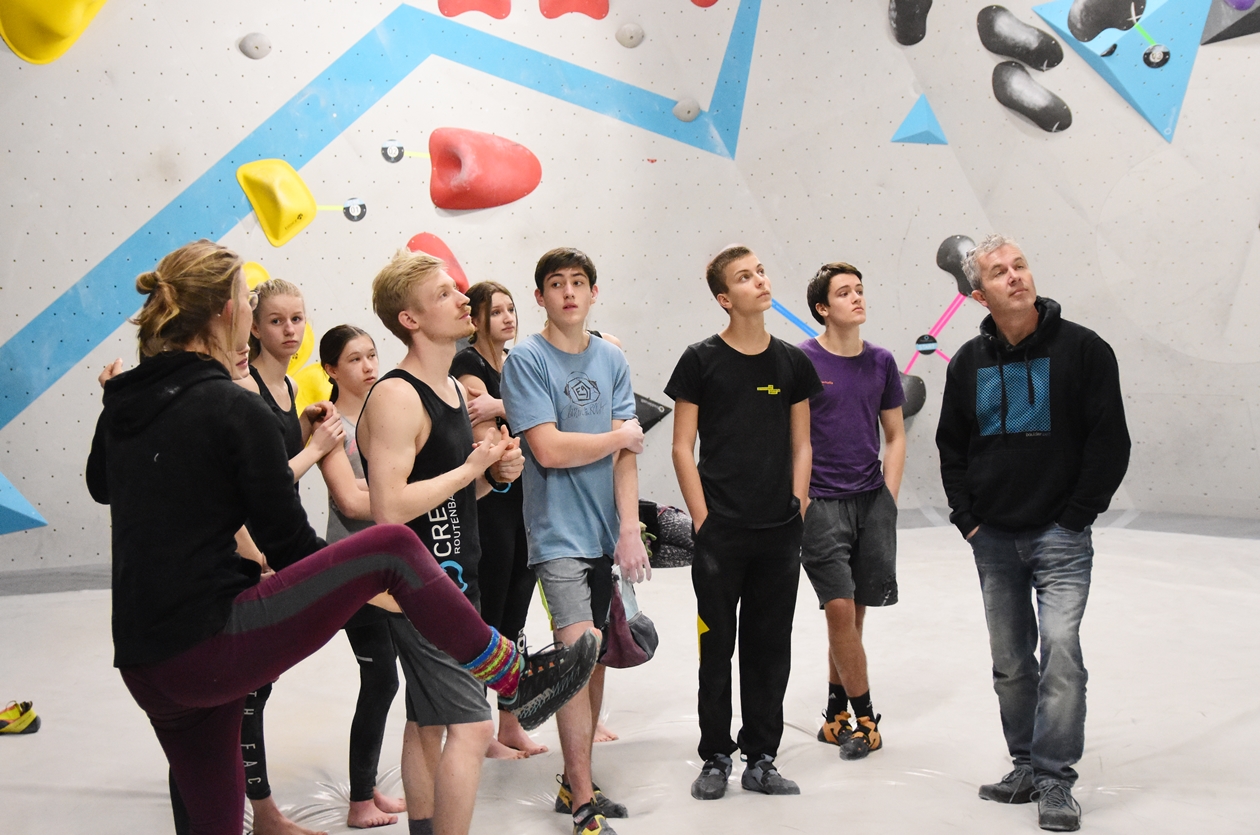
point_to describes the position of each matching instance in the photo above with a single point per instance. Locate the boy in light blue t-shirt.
(568, 394)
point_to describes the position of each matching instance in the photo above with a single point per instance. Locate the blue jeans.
(1042, 703)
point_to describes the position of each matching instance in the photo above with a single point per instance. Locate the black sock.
(862, 705)
(837, 700)
(424, 826)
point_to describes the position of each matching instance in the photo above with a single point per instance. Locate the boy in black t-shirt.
(746, 394)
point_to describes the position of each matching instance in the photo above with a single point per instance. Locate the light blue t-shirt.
(569, 512)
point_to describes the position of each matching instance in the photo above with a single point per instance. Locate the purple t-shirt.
(844, 419)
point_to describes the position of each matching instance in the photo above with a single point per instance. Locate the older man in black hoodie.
(1033, 444)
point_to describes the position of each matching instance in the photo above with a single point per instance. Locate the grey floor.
(1171, 640)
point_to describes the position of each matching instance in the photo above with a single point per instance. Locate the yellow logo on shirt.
(769, 389)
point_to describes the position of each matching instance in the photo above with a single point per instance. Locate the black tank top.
(449, 530)
(290, 426)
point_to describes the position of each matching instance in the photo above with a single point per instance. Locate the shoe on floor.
(589, 821)
(19, 718)
(836, 730)
(1016, 787)
(1057, 810)
(763, 777)
(550, 678)
(864, 739)
(711, 784)
(607, 807)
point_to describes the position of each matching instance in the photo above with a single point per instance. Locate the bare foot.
(602, 734)
(513, 735)
(388, 804)
(498, 751)
(364, 815)
(269, 820)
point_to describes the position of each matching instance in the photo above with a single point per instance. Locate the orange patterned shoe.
(837, 731)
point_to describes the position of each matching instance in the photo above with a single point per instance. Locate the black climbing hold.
(1003, 33)
(354, 210)
(909, 20)
(392, 151)
(1087, 18)
(1015, 89)
(949, 257)
(648, 411)
(1111, 50)
(1156, 56)
(916, 395)
(925, 344)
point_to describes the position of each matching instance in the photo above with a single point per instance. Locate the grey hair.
(971, 261)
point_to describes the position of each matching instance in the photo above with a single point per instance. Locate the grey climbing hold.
(255, 45)
(687, 110)
(392, 150)
(354, 210)
(630, 35)
(1003, 33)
(1228, 20)
(1015, 89)
(1087, 18)
(949, 257)
(915, 391)
(909, 20)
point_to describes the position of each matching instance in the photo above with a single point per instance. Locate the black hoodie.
(1035, 433)
(183, 456)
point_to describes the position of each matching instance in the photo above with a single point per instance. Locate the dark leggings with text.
(195, 700)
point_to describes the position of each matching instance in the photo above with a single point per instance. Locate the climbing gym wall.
(1116, 141)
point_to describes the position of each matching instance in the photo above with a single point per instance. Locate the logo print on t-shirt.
(769, 389)
(581, 390)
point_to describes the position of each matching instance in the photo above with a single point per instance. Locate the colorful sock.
(499, 666)
(862, 705)
(837, 700)
(424, 826)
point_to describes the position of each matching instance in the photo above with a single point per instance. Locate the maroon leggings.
(195, 700)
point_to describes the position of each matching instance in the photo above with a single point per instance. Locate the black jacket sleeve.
(97, 484)
(1105, 454)
(953, 440)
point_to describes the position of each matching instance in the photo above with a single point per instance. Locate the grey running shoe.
(711, 784)
(1057, 811)
(550, 679)
(763, 777)
(1016, 787)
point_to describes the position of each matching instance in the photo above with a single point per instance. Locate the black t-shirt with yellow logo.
(745, 425)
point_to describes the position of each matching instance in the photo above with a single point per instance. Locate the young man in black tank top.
(424, 470)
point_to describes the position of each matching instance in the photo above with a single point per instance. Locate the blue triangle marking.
(16, 513)
(1157, 94)
(920, 126)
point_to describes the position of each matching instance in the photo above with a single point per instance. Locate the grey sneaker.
(763, 777)
(1016, 787)
(711, 784)
(1056, 809)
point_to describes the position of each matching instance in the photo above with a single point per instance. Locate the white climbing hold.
(255, 45)
(630, 35)
(687, 109)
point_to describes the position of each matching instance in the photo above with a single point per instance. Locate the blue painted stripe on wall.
(90, 310)
(793, 318)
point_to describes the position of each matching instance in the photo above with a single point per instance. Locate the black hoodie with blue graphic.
(1033, 433)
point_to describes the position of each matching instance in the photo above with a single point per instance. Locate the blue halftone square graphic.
(1021, 416)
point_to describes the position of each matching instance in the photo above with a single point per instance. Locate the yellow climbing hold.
(282, 202)
(303, 353)
(313, 386)
(255, 274)
(40, 31)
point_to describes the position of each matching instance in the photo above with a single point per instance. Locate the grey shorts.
(574, 590)
(439, 691)
(849, 548)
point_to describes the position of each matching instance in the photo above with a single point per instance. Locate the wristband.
(495, 486)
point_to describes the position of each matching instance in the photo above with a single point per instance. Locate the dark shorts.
(439, 691)
(849, 548)
(574, 590)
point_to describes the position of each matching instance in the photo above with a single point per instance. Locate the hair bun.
(146, 283)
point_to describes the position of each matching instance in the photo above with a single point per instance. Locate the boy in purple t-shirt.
(849, 546)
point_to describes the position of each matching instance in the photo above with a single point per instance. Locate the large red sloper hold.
(495, 8)
(474, 170)
(704, 4)
(433, 245)
(597, 9)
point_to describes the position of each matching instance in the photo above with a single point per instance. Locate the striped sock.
(499, 667)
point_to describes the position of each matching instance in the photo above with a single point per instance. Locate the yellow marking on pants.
(701, 628)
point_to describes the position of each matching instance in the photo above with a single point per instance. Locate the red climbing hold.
(704, 4)
(432, 245)
(597, 9)
(498, 9)
(474, 170)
